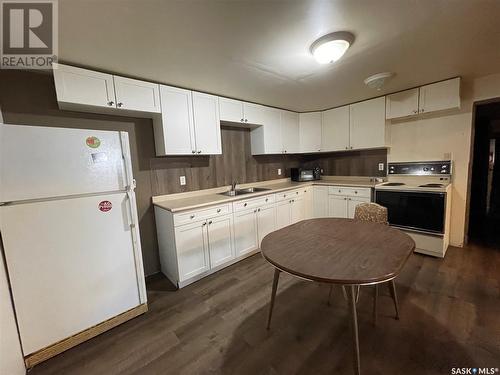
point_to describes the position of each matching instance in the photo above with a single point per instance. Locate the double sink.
(236, 192)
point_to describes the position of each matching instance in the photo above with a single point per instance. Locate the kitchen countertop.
(208, 197)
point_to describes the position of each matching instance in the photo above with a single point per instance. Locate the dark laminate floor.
(450, 317)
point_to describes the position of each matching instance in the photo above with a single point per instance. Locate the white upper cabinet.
(290, 132)
(135, 95)
(402, 104)
(83, 86)
(367, 124)
(335, 129)
(206, 123)
(429, 98)
(252, 113)
(231, 110)
(174, 132)
(266, 139)
(310, 131)
(440, 96)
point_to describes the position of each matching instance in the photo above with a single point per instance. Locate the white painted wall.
(431, 138)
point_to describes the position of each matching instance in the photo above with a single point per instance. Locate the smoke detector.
(377, 81)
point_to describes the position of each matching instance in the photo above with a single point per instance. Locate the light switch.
(183, 180)
(279, 171)
(380, 166)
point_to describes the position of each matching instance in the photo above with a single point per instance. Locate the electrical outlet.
(380, 166)
(182, 180)
(279, 171)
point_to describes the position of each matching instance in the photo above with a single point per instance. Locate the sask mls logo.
(29, 34)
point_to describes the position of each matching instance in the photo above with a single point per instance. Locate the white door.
(207, 124)
(71, 265)
(337, 206)
(231, 110)
(320, 201)
(39, 162)
(352, 203)
(271, 123)
(266, 221)
(310, 131)
(177, 124)
(283, 214)
(253, 113)
(297, 210)
(367, 124)
(220, 240)
(290, 131)
(440, 95)
(192, 249)
(136, 95)
(308, 202)
(402, 104)
(82, 86)
(245, 232)
(335, 129)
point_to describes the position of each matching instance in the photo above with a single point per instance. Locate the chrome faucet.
(233, 185)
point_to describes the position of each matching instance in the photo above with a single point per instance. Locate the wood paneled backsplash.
(237, 164)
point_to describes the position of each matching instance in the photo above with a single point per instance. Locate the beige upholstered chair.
(374, 213)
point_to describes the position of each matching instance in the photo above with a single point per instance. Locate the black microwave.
(305, 174)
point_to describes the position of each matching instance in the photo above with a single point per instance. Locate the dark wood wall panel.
(238, 164)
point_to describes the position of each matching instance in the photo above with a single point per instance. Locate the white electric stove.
(418, 198)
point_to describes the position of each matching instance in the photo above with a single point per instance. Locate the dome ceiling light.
(377, 81)
(331, 47)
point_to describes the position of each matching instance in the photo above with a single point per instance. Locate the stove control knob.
(432, 169)
(426, 169)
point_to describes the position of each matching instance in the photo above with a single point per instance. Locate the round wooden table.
(338, 251)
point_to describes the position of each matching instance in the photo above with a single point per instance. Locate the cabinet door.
(337, 206)
(206, 123)
(245, 232)
(175, 131)
(308, 202)
(220, 240)
(402, 104)
(231, 110)
(310, 131)
(271, 123)
(367, 124)
(320, 201)
(83, 86)
(352, 203)
(136, 95)
(253, 113)
(335, 129)
(297, 210)
(192, 254)
(266, 221)
(439, 96)
(290, 132)
(283, 214)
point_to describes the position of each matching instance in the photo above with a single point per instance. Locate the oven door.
(414, 210)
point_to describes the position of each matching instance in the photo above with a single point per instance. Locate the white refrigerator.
(69, 227)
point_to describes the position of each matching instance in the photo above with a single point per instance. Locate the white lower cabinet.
(245, 232)
(198, 242)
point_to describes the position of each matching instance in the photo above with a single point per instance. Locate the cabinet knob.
(205, 223)
(319, 150)
(242, 120)
(218, 210)
(244, 205)
(351, 147)
(199, 151)
(345, 199)
(297, 192)
(258, 210)
(267, 199)
(191, 217)
(210, 222)
(119, 104)
(246, 120)
(193, 152)
(422, 110)
(255, 211)
(355, 192)
(415, 111)
(110, 103)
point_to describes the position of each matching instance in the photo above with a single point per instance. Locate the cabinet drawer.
(350, 191)
(255, 202)
(289, 194)
(197, 215)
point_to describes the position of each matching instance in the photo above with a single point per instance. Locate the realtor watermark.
(474, 370)
(29, 34)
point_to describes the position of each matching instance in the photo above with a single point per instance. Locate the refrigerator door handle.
(127, 164)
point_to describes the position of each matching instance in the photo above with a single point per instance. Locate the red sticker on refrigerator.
(105, 206)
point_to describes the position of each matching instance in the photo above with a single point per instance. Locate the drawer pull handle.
(218, 210)
(245, 205)
(258, 210)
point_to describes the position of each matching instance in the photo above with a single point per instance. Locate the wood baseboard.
(63, 345)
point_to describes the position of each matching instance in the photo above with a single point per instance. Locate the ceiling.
(259, 50)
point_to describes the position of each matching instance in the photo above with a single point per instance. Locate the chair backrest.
(372, 212)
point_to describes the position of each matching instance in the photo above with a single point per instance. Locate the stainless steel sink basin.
(232, 193)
